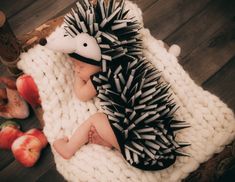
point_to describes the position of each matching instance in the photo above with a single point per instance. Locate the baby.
(108, 60)
(96, 129)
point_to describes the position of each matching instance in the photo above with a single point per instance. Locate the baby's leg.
(66, 148)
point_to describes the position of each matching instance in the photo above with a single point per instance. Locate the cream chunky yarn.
(212, 122)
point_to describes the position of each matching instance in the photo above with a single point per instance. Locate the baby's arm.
(84, 90)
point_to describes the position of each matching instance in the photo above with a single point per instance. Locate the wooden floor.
(204, 29)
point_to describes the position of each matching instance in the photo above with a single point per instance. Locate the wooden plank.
(164, 17)
(144, 5)
(36, 14)
(6, 158)
(17, 171)
(41, 11)
(3, 70)
(222, 83)
(212, 54)
(51, 175)
(11, 7)
(200, 27)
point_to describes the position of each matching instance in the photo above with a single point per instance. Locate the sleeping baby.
(97, 126)
(138, 111)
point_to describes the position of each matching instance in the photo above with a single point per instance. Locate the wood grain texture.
(6, 158)
(12, 7)
(3, 70)
(214, 52)
(36, 14)
(51, 175)
(201, 26)
(144, 5)
(223, 83)
(164, 17)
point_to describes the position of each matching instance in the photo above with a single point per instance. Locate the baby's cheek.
(83, 76)
(86, 77)
(76, 68)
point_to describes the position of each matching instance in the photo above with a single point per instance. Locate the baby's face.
(84, 70)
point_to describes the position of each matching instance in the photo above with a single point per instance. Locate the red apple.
(39, 134)
(26, 150)
(28, 90)
(9, 131)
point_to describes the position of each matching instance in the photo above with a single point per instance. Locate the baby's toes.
(89, 134)
(90, 137)
(92, 129)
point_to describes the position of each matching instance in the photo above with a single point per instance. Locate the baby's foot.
(96, 138)
(90, 136)
(61, 146)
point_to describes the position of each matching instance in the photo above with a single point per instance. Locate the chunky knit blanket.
(212, 122)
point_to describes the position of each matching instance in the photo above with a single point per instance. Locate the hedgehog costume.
(137, 103)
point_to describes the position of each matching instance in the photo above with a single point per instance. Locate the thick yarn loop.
(212, 122)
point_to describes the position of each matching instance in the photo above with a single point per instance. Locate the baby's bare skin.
(96, 129)
(95, 138)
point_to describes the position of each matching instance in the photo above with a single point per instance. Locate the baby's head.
(84, 70)
(83, 50)
(97, 38)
